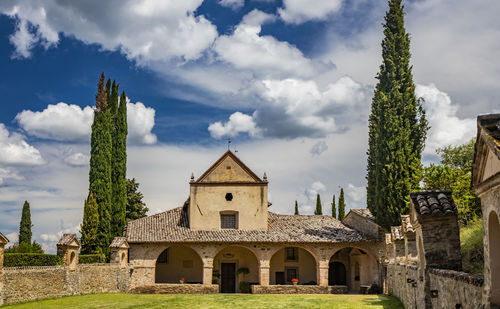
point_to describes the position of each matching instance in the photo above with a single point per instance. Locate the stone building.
(224, 234)
(486, 182)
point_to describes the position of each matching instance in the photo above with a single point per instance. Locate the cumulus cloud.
(14, 150)
(9, 173)
(314, 189)
(161, 29)
(60, 122)
(238, 123)
(318, 148)
(263, 55)
(49, 237)
(77, 159)
(69, 122)
(299, 11)
(233, 4)
(446, 127)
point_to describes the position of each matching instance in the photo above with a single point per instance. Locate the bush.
(91, 258)
(244, 287)
(25, 248)
(471, 247)
(31, 259)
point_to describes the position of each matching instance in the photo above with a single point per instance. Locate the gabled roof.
(231, 155)
(364, 212)
(173, 226)
(69, 240)
(3, 239)
(119, 242)
(433, 203)
(488, 139)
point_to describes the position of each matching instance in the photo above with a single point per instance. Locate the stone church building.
(225, 234)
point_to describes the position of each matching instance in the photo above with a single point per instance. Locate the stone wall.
(298, 289)
(436, 288)
(170, 288)
(31, 283)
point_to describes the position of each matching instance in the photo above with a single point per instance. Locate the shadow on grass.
(384, 301)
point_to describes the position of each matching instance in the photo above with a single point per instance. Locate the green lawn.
(116, 301)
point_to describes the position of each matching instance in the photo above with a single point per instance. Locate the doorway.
(337, 274)
(228, 278)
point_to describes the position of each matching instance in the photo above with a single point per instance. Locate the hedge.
(91, 258)
(31, 259)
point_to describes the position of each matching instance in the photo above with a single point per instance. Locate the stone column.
(323, 266)
(208, 267)
(3, 242)
(264, 270)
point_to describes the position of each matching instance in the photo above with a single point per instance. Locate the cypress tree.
(341, 205)
(25, 226)
(119, 161)
(296, 208)
(318, 210)
(397, 126)
(136, 208)
(90, 225)
(100, 184)
(334, 207)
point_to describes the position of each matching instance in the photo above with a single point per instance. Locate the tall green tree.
(118, 162)
(100, 184)
(334, 207)
(136, 208)
(397, 126)
(25, 226)
(341, 205)
(296, 208)
(90, 226)
(319, 208)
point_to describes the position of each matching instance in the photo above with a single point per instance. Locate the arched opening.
(179, 262)
(353, 267)
(235, 269)
(72, 258)
(494, 246)
(293, 263)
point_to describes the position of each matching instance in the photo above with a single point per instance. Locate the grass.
(471, 247)
(117, 301)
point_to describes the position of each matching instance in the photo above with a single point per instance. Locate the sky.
(290, 81)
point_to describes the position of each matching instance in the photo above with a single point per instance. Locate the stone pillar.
(119, 252)
(323, 266)
(208, 268)
(67, 248)
(264, 271)
(3, 242)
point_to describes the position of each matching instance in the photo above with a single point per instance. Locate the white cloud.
(446, 127)
(9, 173)
(233, 4)
(263, 55)
(238, 123)
(14, 150)
(299, 11)
(13, 238)
(143, 30)
(69, 122)
(60, 122)
(357, 194)
(49, 237)
(318, 148)
(77, 159)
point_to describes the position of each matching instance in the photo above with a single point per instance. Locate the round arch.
(236, 267)
(294, 261)
(178, 262)
(494, 256)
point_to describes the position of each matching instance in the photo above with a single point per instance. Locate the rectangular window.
(291, 254)
(228, 221)
(291, 273)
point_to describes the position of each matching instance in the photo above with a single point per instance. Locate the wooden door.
(228, 278)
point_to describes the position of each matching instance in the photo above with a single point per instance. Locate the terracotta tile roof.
(119, 242)
(67, 239)
(364, 212)
(433, 203)
(490, 125)
(173, 226)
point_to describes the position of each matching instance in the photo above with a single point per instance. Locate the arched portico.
(178, 262)
(293, 262)
(494, 257)
(235, 269)
(353, 267)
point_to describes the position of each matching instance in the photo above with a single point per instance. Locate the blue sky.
(290, 81)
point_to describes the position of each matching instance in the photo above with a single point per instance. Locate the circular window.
(229, 197)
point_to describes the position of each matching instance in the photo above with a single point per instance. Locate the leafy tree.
(341, 205)
(318, 210)
(90, 225)
(100, 184)
(397, 126)
(454, 173)
(118, 162)
(136, 208)
(334, 207)
(25, 225)
(296, 208)
(33, 247)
